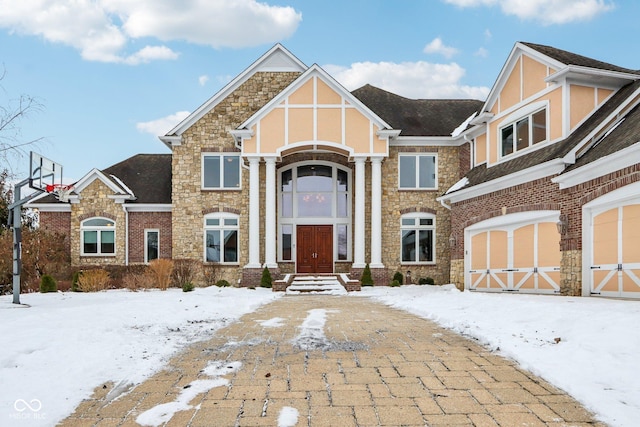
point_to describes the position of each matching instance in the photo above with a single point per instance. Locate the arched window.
(417, 245)
(98, 237)
(221, 238)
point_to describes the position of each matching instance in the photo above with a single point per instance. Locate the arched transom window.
(98, 236)
(417, 245)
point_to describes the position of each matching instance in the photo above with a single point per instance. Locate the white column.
(358, 219)
(376, 213)
(270, 214)
(254, 213)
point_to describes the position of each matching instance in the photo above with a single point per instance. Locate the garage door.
(615, 249)
(515, 257)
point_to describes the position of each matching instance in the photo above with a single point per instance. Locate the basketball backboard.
(44, 174)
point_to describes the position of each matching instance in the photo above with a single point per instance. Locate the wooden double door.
(314, 249)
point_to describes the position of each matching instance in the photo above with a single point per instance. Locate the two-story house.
(282, 168)
(533, 190)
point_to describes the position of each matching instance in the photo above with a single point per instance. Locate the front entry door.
(315, 248)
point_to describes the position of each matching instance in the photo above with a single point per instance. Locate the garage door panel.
(631, 281)
(479, 251)
(498, 280)
(523, 247)
(549, 280)
(478, 280)
(549, 254)
(631, 234)
(524, 280)
(605, 237)
(498, 244)
(605, 281)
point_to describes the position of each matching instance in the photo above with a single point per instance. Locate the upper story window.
(418, 171)
(221, 171)
(523, 133)
(418, 241)
(98, 236)
(221, 238)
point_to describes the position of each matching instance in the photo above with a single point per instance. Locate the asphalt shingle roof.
(417, 117)
(147, 175)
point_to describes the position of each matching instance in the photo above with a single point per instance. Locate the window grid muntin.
(227, 227)
(411, 174)
(221, 180)
(99, 227)
(418, 224)
(536, 133)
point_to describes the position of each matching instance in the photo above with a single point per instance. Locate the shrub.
(93, 280)
(426, 281)
(187, 287)
(394, 283)
(398, 277)
(222, 283)
(366, 279)
(48, 284)
(74, 282)
(184, 272)
(134, 281)
(161, 269)
(266, 281)
(210, 274)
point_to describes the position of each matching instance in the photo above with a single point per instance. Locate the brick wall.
(57, 222)
(138, 222)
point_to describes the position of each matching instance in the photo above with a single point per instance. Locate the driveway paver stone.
(355, 362)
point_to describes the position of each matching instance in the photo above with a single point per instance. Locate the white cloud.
(102, 29)
(487, 34)
(162, 125)
(203, 80)
(481, 52)
(417, 80)
(436, 46)
(545, 11)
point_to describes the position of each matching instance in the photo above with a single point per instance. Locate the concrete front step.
(316, 284)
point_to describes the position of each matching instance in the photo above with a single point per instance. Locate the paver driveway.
(335, 361)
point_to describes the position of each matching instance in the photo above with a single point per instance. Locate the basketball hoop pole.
(15, 217)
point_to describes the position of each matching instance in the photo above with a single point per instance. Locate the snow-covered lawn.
(54, 353)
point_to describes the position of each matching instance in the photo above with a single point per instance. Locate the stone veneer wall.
(397, 202)
(94, 201)
(211, 134)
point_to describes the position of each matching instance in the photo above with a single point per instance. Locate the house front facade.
(286, 169)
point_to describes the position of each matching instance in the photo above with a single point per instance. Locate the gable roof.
(276, 59)
(482, 174)
(147, 176)
(417, 117)
(142, 179)
(570, 58)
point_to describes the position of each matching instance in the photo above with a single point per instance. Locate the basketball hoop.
(61, 191)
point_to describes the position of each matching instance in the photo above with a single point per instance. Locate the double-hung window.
(417, 238)
(524, 133)
(418, 171)
(221, 238)
(98, 237)
(220, 171)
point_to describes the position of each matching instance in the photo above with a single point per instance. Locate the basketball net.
(61, 191)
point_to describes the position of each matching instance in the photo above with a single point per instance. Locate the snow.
(458, 185)
(65, 344)
(463, 126)
(288, 417)
(59, 349)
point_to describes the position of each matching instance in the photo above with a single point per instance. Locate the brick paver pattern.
(378, 366)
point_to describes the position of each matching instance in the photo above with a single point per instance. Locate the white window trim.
(220, 216)
(146, 242)
(99, 229)
(222, 155)
(415, 156)
(419, 215)
(334, 221)
(512, 119)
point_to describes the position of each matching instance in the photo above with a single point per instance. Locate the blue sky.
(112, 74)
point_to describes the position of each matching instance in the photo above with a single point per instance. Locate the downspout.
(126, 234)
